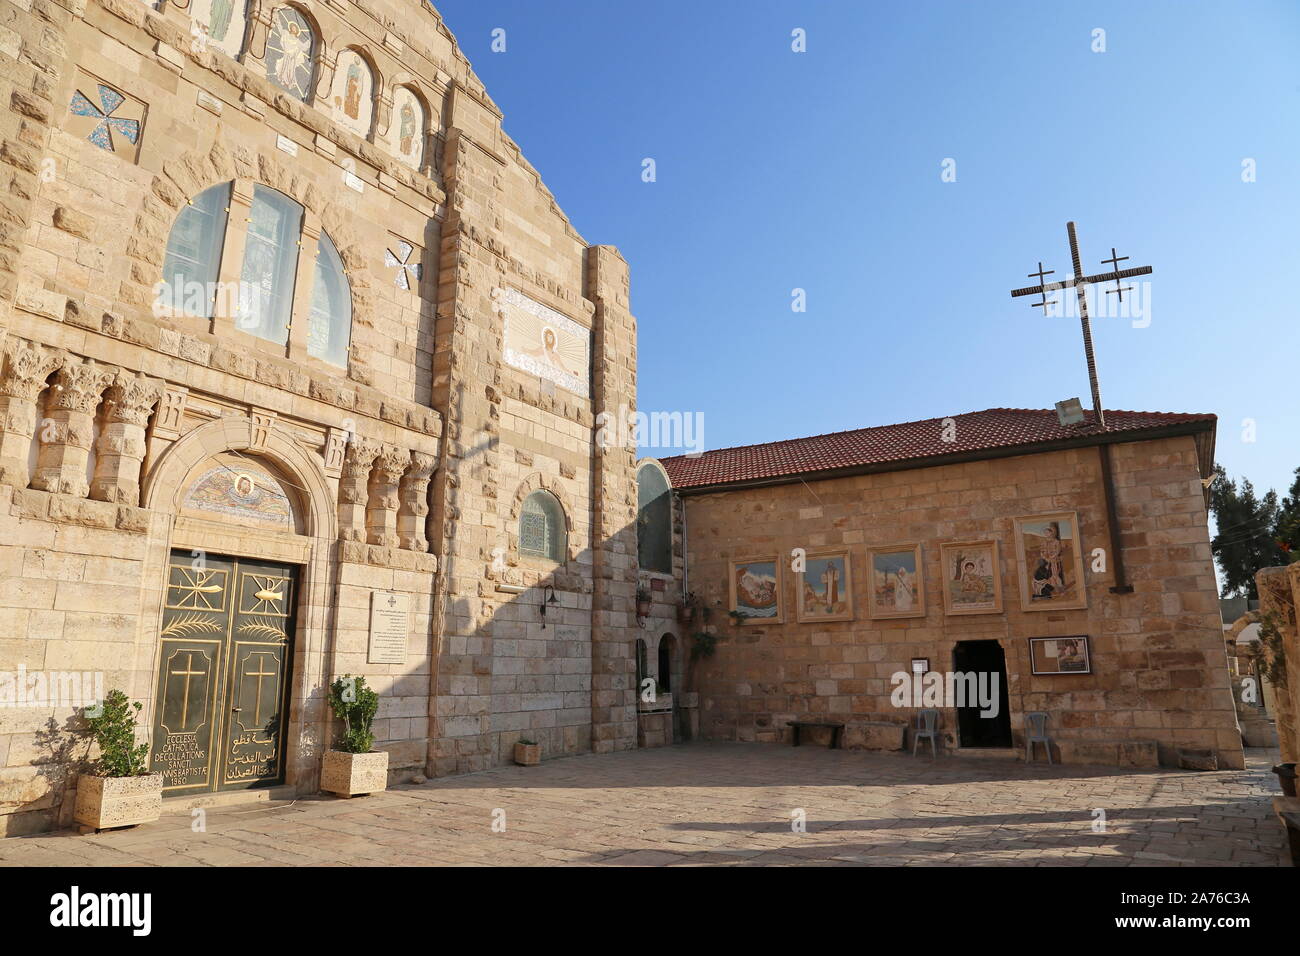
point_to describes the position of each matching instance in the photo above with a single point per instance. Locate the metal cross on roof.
(1080, 282)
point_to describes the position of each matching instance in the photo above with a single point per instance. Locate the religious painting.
(406, 128)
(896, 583)
(1060, 655)
(972, 577)
(1049, 555)
(755, 590)
(219, 24)
(235, 490)
(545, 343)
(289, 51)
(824, 589)
(352, 95)
(106, 117)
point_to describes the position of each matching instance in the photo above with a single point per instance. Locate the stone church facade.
(293, 333)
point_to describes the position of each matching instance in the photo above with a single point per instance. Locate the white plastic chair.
(927, 725)
(1036, 733)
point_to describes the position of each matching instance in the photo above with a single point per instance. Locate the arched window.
(290, 53)
(270, 265)
(330, 326)
(542, 532)
(654, 519)
(193, 257)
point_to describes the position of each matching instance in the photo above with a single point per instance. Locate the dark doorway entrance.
(223, 680)
(984, 659)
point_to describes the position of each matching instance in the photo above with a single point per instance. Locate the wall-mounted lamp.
(548, 597)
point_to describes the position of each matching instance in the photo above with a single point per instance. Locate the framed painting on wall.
(1049, 556)
(755, 587)
(896, 581)
(972, 577)
(1060, 655)
(824, 590)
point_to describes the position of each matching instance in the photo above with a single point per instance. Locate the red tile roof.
(995, 430)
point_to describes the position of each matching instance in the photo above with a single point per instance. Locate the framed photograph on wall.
(824, 590)
(972, 577)
(1049, 557)
(895, 581)
(755, 589)
(1060, 655)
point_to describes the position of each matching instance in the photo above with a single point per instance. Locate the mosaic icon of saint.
(406, 141)
(549, 352)
(219, 20)
(352, 100)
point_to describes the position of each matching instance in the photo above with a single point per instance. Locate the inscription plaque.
(389, 627)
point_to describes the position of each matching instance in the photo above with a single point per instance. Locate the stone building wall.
(403, 471)
(1158, 660)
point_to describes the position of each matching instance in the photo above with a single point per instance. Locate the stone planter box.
(874, 735)
(528, 755)
(1198, 760)
(660, 703)
(106, 802)
(354, 775)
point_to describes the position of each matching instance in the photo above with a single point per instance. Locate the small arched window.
(654, 520)
(193, 258)
(270, 265)
(290, 53)
(330, 326)
(542, 532)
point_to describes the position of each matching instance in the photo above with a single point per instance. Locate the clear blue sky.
(821, 170)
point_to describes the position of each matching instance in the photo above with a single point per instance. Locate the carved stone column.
(381, 515)
(67, 434)
(354, 488)
(414, 510)
(26, 367)
(119, 452)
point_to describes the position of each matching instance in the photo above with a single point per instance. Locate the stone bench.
(835, 728)
(1109, 753)
(875, 735)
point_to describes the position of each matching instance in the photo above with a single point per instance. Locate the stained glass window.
(193, 258)
(331, 307)
(270, 265)
(541, 527)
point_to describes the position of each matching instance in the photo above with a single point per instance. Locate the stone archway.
(310, 548)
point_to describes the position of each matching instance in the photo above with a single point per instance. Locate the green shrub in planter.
(355, 704)
(114, 730)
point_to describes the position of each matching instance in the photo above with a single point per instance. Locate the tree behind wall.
(1248, 532)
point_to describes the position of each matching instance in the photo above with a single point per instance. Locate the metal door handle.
(237, 709)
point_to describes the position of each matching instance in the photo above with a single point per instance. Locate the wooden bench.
(835, 729)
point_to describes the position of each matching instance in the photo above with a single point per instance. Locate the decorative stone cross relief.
(406, 270)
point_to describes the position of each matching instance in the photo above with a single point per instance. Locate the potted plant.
(123, 793)
(689, 607)
(354, 769)
(528, 753)
(643, 599)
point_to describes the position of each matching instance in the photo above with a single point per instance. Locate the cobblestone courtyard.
(729, 804)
